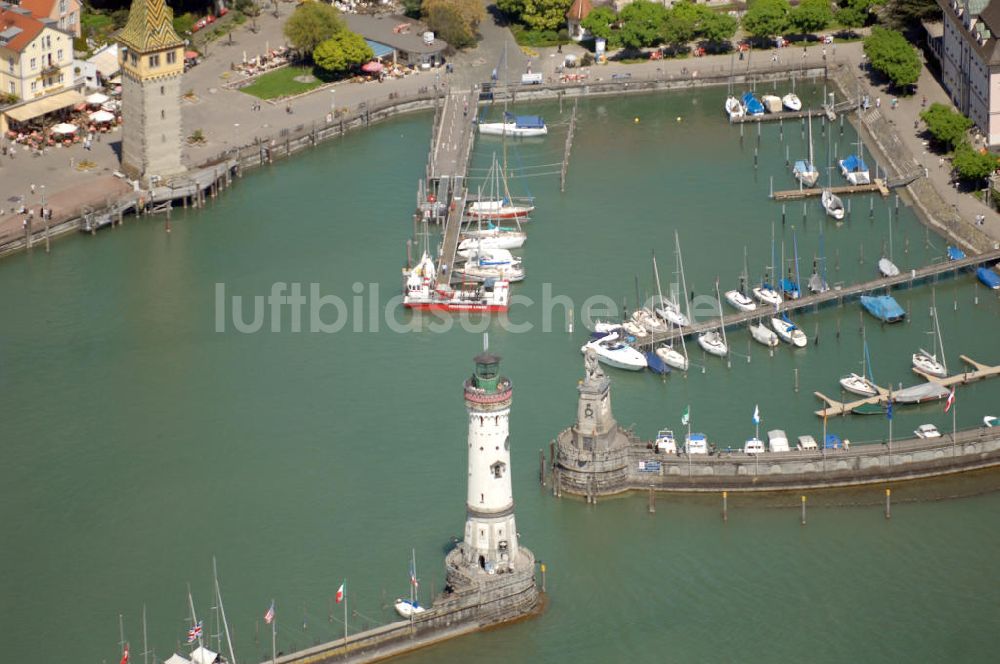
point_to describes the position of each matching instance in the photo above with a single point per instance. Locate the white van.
(531, 79)
(696, 443)
(753, 446)
(777, 441)
(807, 443)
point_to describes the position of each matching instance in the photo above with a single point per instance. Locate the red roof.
(39, 8)
(578, 10)
(30, 28)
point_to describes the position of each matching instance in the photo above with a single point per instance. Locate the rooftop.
(579, 9)
(150, 27)
(399, 32)
(17, 29)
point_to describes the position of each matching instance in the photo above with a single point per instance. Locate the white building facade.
(970, 61)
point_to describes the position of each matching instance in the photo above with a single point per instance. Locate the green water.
(139, 441)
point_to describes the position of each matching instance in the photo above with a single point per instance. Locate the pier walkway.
(447, 166)
(835, 294)
(878, 185)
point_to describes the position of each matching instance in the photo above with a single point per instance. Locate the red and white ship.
(502, 209)
(422, 292)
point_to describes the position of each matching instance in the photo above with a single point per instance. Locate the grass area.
(95, 22)
(281, 83)
(538, 38)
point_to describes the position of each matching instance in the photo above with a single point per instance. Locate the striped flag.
(269, 614)
(195, 632)
(756, 415)
(340, 593)
(951, 400)
(124, 659)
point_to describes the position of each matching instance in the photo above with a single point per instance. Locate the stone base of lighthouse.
(593, 472)
(473, 594)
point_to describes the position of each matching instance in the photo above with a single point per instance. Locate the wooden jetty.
(878, 185)
(835, 295)
(830, 112)
(978, 372)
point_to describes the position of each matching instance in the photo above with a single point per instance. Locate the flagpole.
(274, 635)
(954, 429)
(345, 616)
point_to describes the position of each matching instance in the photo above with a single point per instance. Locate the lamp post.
(45, 218)
(236, 138)
(333, 102)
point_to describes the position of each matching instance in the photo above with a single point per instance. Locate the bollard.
(725, 506)
(652, 501)
(804, 505)
(782, 214)
(888, 503)
(542, 565)
(541, 467)
(796, 370)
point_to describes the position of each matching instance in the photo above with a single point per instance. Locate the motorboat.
(672, 357)
(805, 172)
(928, 363)
(515, 125)
(696, 443)
(988, 277)
(772, 103)
(854, 169)
(665, 442)
(605, 329)
(492, 264)
(471, 246)
(927, 431)
(777, 441)
(407, 608)
(763, 334)
(832, 205)
(792, 102)
(498, 209)
(887, 268)
(806, 443)
(734, 109)
(712, 343)
(751, 104)
(614, 353)
(421, 292)
(789, 332)
(859, 385)
(753, 446)
(766, 294)
(883, 307)
(740, 300)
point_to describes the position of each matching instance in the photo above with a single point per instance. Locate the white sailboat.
(792, 102)
(832, 205)
(616, 354)
(670, 310)
(469, 247)
(804, 170)
(492, 264)
(789, 332)
(763, 334)
(408, 608)
(714, 341)
(929, 363)
(667, 353)
(734, 108)
(885, 265)
(738, 298)
(765, 292)
(864, 384)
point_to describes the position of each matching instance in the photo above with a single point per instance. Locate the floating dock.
(878, 185)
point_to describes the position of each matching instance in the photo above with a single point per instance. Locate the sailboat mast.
(811, 163)
(795, 247)
(680, 268)
(222, 613)
(194, 616)
(722, 324)
(656, 275)
(937, 330)
(770, 274)
(145, 643)
(413, 576)
(121, 633)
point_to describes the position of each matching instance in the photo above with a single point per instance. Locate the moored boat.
(928, 363)
(856, 384)
(515, 125)
(615, 353)
(421, 292)
(772, 103)
(832, 205)
(469, 247)
(989, 277)
(883, 307)
(854, 169)
(887, 268)
(734, 109)
(805, 172)
(763, 334)
(789, 332)
(751, 104)
(498, 209)
(713, 344)
(740, 300)
(672, 357)
(792, 102)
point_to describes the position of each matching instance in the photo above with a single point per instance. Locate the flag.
(125, 655)
(951, 400)
(888, 410)
(756, 415)
(195, 632)
(413, 577)
(340, 593)
(269, 614)
(686, 417)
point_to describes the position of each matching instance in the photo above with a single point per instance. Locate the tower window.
(134, 58)
(163, 90)
(154, 60)
(163, 114)
(497, 469)
(171, 57)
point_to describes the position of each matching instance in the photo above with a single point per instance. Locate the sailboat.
(832, 204)
(407, 608)
(751, 104)
(789, 287)
(928, 363)
(491, 264)
(765, 293)
(789, 332)
(666, 353)
(499, 204)
(738, 297)
(853, 167)
(864, 384)
(714, 341)
(761, 333)
(792, 102)
(670, 310)
(804, 170)
(734, 108)
(817, 280)
(885, 265)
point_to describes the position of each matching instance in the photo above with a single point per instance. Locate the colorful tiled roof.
(975, 7)
(18, 29)
(150, 27)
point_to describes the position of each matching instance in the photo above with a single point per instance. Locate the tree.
(971, 164)
(311, 24)
(341, 52)
(854, 13)
(537, 14)
(766, 18)
(717, 28)
(946, 126)
(811, 16)
(681, 22)
(902, 13)
(642, 23)
(890, 53)
(455, 20)
(598, 22)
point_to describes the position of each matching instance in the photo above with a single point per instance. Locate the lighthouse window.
(506, 443)
(497, 469)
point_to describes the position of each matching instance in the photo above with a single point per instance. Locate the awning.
(44, 105)
(379, 49)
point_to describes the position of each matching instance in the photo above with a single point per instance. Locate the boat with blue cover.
(515, 125)
(955, 254)
(989, 277)
(752, 105)
(655, 364)
(883, 307)
(853, 168)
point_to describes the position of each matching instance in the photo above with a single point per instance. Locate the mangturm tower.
(152, 63)
(490, 560)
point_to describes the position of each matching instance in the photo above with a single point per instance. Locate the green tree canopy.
(890, 53)
(901, 13)
(456, 21)
(766, 18)
(811, 16)
(854, 13)
(642, 23)
(311, 24)
(681, 23)
(971, 164)
(598, 22)
(341, 52)
(537, 14)
(945, 125)
(717, 28)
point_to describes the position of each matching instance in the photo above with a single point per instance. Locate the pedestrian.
(13, 150)
(923, 102)
(774, 57)
(32, 188)
(878, 102)
(895, 102)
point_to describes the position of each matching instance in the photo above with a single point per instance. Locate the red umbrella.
(372, 67)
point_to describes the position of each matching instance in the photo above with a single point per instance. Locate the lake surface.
(140, 441)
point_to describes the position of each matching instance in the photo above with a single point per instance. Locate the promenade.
(227, 119)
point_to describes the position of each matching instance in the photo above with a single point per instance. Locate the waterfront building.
(151, 56)
(66, 13)
(970, 61)
(36, 56)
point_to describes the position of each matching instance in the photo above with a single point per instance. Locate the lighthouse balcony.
(503, 392)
